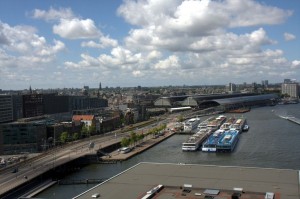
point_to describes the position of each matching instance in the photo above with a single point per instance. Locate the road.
(58, 156)
(61, 155)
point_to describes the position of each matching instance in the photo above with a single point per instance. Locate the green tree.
(133, 137)
(64, 137)
(140, 137)
(75, 136)
(92, 129)
(125, 142)
(84, 131)
(180, 118)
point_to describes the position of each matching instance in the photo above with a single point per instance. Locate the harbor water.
(271, 142)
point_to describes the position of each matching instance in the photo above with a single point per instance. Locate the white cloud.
(76, 29)
(193, 41)
(25, 55)
(67, 25)
(289, 36)
(53, 14)
(172, 62)
(295, 64)
(137, 73)
(243, 13)
(104, 42)
(23, 44)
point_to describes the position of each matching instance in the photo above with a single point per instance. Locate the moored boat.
(191, 125)
(210, 145)
(195, 141)
(228, 141)
(238, 124)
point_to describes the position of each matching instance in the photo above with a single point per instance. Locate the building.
(6, 108)
(265, 83)
(33, 105)
(53, 103)
(17, 107)
(198, 181)
(20, 137)
(88, 120)
(291, 89)
(231, 88)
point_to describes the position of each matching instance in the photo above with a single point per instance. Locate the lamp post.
(100, 122)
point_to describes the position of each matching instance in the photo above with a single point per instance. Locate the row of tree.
(86, 131)
(136, 138)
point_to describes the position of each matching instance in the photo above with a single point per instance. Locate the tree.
(75, 136)
(180, 118)
(140, 137)
(125, 142)
(84, 131)
(133, 137)
(64, 137)
(92, 129)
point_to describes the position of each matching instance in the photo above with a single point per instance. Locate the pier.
(80, 181)
(294, 119)
(291, 118)
(116, 156)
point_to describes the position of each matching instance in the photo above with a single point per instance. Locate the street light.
(100, 122)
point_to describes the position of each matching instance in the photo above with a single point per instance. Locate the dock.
(116, 156)
(294, 119)
(291, 118)
(80, 181)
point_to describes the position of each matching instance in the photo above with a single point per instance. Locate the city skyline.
(65, 44)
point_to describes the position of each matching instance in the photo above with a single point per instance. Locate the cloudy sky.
(72, 43)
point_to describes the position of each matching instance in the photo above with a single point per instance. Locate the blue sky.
(58, 44)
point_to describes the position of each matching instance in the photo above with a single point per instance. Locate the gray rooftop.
(136, 181)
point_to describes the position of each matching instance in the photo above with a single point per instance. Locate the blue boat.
(210, 145)
(228, 141)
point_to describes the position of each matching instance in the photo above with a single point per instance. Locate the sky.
(76, 43)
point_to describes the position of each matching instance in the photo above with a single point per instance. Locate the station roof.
(244, 99)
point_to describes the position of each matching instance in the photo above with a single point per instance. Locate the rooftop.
(136, 181)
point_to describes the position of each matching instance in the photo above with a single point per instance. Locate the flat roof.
(137, 180)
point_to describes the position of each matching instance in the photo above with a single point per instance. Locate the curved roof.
(245, 99)
(170, 101)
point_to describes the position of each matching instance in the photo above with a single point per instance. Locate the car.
(96, 195)
(15, 170)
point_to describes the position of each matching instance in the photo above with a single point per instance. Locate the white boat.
(246, 127)
(191, 125)
(195, 141)
(226, 126)
(238, 125)
(216, 123)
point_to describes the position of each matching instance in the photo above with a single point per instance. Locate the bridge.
(50, 160)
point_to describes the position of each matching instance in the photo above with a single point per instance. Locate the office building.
(33, 105)
(6, 108)
(290, 89)
(20, 137)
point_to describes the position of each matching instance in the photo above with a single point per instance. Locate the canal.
(271, 142)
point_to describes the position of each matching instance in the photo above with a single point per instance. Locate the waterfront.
(270, 142)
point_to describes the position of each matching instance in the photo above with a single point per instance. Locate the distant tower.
(99, 90)
(30, 90)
